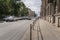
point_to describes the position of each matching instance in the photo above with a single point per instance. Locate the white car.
(9, 18)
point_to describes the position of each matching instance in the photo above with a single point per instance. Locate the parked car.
(25, 18)
(9, 18)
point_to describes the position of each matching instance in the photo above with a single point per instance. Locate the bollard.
(30, 31)
(33, 25)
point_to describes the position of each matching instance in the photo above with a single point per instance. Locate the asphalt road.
(14, 30)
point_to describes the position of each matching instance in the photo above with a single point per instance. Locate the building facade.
(50, 11)
(31, 13)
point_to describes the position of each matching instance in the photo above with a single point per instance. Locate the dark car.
(25, 18)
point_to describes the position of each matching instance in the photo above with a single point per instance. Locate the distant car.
(9, 18)
(28, 18)
(25, 18)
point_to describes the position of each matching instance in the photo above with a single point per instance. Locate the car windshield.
(9, 17)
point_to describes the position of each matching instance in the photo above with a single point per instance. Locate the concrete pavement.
(14, 30)
(44, 30)
(47, 31)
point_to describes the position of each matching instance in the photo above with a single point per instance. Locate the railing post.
(33, 25)
(30, 31)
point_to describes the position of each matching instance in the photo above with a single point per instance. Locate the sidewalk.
(49, 32)
(43, 30)
(35, 33)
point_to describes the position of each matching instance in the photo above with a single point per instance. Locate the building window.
(54, 3)
(59, 5)
(50, 1)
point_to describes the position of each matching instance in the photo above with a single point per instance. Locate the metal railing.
(32, 28)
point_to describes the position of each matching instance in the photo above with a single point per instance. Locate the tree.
(2, 7)
(10, 7)
(23, 9)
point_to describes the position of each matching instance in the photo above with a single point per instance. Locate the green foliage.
(10, 7)
(23, 10)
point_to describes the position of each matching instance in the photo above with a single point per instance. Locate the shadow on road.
(1, 21)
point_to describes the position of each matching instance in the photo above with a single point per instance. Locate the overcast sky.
(33, 5)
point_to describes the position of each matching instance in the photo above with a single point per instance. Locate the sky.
(34, 5)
